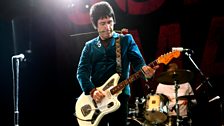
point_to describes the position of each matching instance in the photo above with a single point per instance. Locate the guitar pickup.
(86, 109)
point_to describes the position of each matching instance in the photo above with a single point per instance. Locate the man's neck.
(106, 42)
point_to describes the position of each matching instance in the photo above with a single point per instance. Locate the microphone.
(20, 56)
(181, 49)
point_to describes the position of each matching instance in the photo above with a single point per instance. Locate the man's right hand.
(98, 96)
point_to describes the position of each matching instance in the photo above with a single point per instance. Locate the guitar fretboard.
(132, 78)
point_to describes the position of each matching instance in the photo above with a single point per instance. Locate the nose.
(107, 26)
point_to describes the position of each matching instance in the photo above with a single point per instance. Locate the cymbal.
(181, 76)
(186, 97)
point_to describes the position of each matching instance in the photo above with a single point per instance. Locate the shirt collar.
(114, 37)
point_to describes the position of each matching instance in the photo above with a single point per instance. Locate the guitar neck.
(132, 78)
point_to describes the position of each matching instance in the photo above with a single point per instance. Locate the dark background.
(48, 87)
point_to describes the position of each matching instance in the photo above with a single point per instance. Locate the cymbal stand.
(176, 95)
(136, 106)
(135, 111)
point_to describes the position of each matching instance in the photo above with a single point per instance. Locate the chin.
(109, 35)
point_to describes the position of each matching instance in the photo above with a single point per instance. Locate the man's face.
(105, 27)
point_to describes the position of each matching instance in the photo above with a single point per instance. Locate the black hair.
(100, 10)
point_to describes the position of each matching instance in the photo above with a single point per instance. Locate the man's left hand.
(149, 71)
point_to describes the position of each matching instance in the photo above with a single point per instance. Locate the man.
(185, 94)
(98, 62)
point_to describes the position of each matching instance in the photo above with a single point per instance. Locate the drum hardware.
(171, 121)
(133, 121)
(136, 105)
(176, 96)
(135, 113)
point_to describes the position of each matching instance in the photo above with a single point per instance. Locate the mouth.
(106, 31)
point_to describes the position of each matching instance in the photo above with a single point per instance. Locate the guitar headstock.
(166, 58)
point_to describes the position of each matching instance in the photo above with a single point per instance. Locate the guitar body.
(89, 113)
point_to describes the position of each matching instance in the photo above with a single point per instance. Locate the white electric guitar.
(89, 113)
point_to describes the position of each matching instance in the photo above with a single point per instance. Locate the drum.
(156, 108)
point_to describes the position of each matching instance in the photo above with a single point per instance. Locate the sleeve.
(159, 89)
(84, 70)
(134, 54)
(190, 90)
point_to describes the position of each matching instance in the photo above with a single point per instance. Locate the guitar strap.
(118, 56)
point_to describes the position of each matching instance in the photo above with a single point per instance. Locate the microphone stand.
(221, 111)
(16, 89)
(205, 78)
(93, 32)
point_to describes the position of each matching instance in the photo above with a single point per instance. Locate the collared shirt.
(97, 63)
